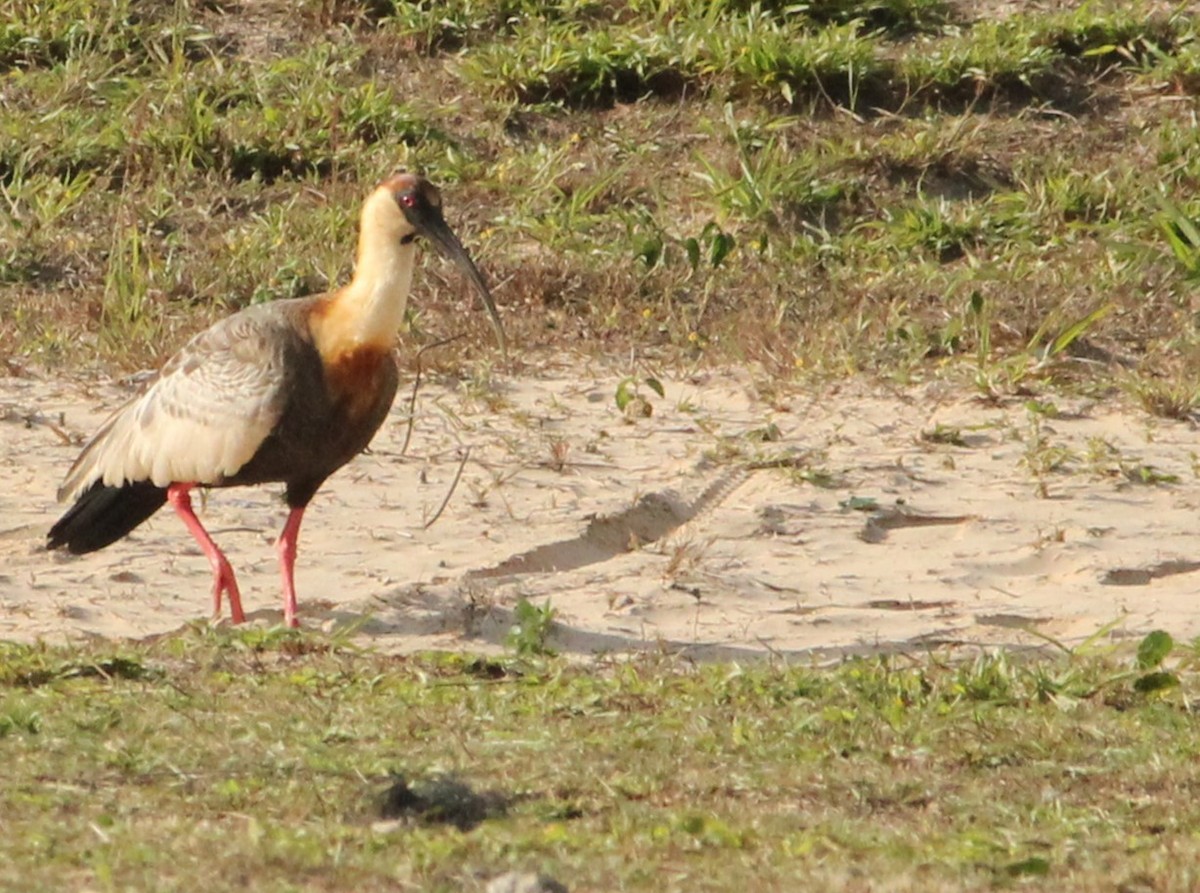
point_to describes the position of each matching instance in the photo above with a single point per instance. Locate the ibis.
(285, 392)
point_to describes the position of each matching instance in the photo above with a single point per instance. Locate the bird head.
(420, 215)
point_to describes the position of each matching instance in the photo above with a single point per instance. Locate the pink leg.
(223, 578)
(287, 563)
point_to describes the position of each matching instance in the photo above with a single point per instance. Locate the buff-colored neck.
(368, 312)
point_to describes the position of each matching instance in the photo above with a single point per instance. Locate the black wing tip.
(60, 538)
(102, 514)
(56, 538)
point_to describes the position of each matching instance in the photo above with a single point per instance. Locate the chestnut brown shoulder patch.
(356, 378)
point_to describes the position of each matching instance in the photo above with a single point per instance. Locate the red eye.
(407, 199)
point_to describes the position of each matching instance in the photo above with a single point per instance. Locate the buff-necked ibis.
(286, 392)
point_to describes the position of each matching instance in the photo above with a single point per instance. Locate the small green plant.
(950, 435)
(1140, 473)
(1155, 648)
(768, 433)
(1174, 397)
(629, 398)
(1042, 456)
(718, 243)
(1044, 408)
(1182, 233)
(860, 504)
(19, 717)
(1049, 348)
(531, 629)
(947, 231)
(978, 316)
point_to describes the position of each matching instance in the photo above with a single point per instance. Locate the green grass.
(213, 759)
(631, 175)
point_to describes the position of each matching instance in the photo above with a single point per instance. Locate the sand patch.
(857, 520)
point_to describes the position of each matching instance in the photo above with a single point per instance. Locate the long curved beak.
(438, 232)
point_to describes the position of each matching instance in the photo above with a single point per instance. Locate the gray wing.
(204, 417)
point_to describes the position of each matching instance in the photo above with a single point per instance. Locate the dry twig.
(412, 400)
(466, 452)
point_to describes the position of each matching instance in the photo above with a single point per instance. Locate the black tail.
(103, 514)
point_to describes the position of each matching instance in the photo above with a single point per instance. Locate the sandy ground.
(852, 531)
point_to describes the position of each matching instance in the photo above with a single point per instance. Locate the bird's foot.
(225, 581)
